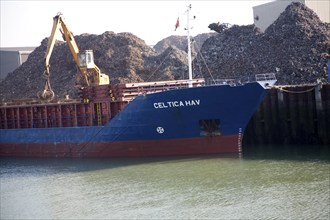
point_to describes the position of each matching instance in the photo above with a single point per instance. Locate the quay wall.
(292, 115)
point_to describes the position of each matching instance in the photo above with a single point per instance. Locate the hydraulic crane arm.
(84, 61)
(67, 36)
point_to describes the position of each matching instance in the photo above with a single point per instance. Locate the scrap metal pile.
(291, 46)
(181, 43)
(123, 56)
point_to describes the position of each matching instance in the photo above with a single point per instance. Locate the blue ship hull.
(186, 121)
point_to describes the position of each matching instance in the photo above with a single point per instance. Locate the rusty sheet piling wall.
(292, 115)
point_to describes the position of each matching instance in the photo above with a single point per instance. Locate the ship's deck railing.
(127, 92)
(241, 80)
(265, 77)
(36, 102)
(230, 81)
(144, 88)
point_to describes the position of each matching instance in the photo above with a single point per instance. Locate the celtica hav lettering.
(173, 104)
(192, 102)
(160, 105)
(176, 104)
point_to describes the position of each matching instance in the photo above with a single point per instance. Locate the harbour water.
(263, 187)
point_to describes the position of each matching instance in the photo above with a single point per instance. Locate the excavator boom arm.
(51, 43)
(59, 23)
(69, 38)
(85, 61)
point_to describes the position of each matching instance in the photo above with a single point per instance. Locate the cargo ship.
(141, 119)
(168, 118)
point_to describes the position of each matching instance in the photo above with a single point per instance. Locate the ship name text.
(173, 104)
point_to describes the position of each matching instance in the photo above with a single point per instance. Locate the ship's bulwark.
(191, 121)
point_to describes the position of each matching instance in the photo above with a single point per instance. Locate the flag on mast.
(177, 24)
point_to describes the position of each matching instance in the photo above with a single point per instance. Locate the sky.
(27, 23)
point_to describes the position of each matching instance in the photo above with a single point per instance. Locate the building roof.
(17, 48)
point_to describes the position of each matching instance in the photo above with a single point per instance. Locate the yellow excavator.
(91, 74)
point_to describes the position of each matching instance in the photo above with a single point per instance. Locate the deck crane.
(91, 74)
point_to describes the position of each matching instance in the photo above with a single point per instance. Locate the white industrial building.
(265, 14)
(11, 58)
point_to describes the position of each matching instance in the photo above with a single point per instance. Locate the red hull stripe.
(229, 144)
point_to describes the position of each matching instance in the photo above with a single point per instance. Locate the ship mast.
(189, 47)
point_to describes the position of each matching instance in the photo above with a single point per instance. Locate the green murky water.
(165, 188)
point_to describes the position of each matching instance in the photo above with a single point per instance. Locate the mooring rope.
(295, 92)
